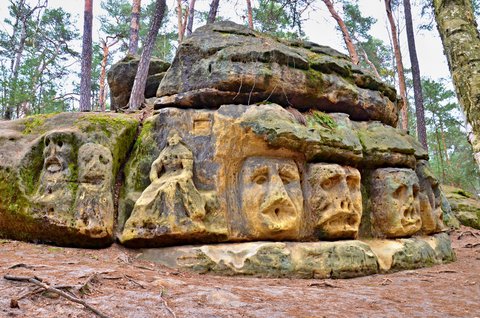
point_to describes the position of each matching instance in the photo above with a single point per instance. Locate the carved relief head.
(57, 153)
(395, 202)
(430, 199)
(271, 197)
(335, 199)
(95, 164)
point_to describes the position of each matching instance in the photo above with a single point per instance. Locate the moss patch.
(34, 124)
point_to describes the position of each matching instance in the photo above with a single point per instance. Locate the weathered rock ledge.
(227, 63)
(341, 259)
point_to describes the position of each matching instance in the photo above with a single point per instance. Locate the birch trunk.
(461, 42)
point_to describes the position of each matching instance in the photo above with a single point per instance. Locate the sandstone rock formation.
(242, 155)
(57, 174)
(464, 206)
(121, 75)
(225, 63)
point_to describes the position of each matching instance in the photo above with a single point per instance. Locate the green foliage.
(270, 17)
(35, 53)
(117, 23)
(317, 119)
(359, 28)
(450, 153)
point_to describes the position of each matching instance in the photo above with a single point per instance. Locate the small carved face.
(57, 152)
(271, 197)
(173, 138)
(95, 164)
(430, 200)
(395, 202)
(336, 200)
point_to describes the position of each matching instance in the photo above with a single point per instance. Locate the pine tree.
(87, 52)
(137, 96)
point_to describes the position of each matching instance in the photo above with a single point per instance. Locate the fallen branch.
(23, 265)
(38, 282)
(467, 233)
(323, 284)
(386, 281)
(469, 245)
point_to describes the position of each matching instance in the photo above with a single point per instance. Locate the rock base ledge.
(340, 259)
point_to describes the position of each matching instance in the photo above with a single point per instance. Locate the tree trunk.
(134, 27)
(86, 80)
(191, 14)
(103, 71)
(138, 90)
(249, 14)
(417, 85)
(399, 63)
(461, 42)
(370, 63)
(346, 36)
(180, 20)
(212, 14)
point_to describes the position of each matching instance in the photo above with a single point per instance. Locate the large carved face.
(271, 197)
(57, 153)
(335, 199)
(395, 202)
(95, 164)
(430, 200)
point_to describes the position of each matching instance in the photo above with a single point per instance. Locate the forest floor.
(119, 285)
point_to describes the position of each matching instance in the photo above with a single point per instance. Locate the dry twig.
(129, 278)
(166, 304)
(38, 282)
(467, 233)
(323, 284)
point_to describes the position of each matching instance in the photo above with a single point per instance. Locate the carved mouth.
(343, 219)
(280, 218)
(410, 218)
(53, 165)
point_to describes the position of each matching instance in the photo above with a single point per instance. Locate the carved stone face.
(94, 164)
(57, 153)
(335, 199)
(271, 197)
(395, 202)
(430, 200)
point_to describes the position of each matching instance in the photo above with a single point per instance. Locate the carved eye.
(416, 190)
(352, 182)
(47, 142)
(260, 179)
(60, 144)
(103, 160)
(330, 183)
(400, 192)
(286, 179)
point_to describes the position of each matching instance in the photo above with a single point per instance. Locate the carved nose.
(276, 197)
(346, 204)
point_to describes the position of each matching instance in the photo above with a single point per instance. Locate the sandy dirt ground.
(115, 283)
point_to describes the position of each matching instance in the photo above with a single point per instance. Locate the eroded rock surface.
(464, 206)
(57, 183)
(121, 75)
(226, 63)
(340, 259)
